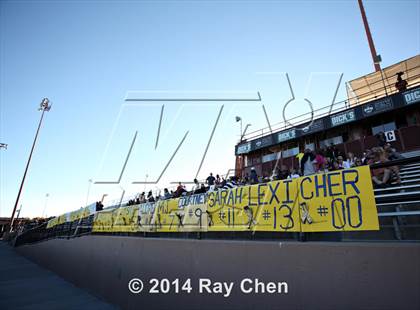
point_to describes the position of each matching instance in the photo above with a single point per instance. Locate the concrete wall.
(319, 275)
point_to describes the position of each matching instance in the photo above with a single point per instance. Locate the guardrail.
(321, 112)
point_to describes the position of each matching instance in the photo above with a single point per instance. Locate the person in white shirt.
(350, 162)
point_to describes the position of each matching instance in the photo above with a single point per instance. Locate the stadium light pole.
(376, 58)
(239, 119)
(2, 146)
(45, 206)
(44, 107)
(88, 191)
(243, 133)
(122, 196)
(145, 182)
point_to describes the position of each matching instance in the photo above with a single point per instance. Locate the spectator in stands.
(308, 163)
(166, 194)
(328, 164)
(253, 177)
(335, 166)
(367, 156)
(383, 177)
(358, 162)
(232, 183)
(99, 206)
(201, 190)
(381, 139)
(341, 163)
(320, 161)
(246, 179)
(332, 151)
(196, 185)
(143, 197)
(350, 161)
(179, 190)
(293, 174)
(391, 153)
(401, 85)
(210, 179)
(150, 197)
(283, 173)
(217, 181)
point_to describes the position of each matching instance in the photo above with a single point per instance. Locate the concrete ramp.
(25, 285)
(319, 275)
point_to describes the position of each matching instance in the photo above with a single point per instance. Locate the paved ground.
(25, 285)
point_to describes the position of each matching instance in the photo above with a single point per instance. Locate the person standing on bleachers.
(401, 85)
(308, 163)
(210, 179)
(253, 176)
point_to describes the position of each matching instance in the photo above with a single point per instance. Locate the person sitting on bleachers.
(179, 191)
(230, 184)
(335, 165)
(166, 194)
(382, 177)
(341, 163)
(358, 162)
(392, 153)
(201, 190)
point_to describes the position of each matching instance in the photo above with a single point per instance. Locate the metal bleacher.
(398, 205)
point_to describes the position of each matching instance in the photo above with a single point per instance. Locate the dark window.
(384, 127)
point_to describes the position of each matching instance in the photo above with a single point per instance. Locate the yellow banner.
(103, 221)
(146, 217)
(263, 207)
(53, 222)
(125, 219)
(340, 200)
(167, 216)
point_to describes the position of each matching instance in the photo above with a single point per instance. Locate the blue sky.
(86, 55)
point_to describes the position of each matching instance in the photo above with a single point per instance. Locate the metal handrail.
(396, 162)
(282, 125)
(399, 213)
(396, 188)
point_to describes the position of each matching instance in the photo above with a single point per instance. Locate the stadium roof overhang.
(382, 83)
